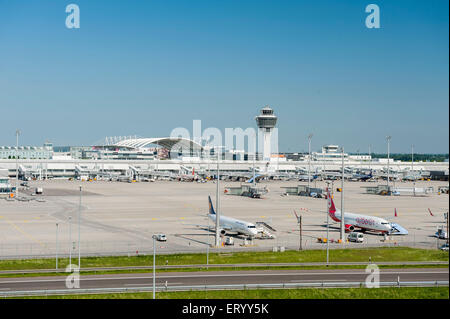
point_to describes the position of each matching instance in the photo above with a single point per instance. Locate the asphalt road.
(222, 277)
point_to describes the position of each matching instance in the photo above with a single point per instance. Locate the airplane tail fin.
(395, 211)
(430, 212)
(211, 207)
(331, 207)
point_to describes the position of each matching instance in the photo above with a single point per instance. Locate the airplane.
(304, 177)
(412, 176)
(229, 224)
(364, 222)
(362, 177)
(255, 178)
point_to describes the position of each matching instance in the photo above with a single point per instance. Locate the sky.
(146, 67)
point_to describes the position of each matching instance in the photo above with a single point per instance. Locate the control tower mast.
(266, 122)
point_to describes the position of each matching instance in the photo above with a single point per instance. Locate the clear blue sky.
(146, 67)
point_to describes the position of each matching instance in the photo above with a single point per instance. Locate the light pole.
(217, 202)
(70, 240)
(79, 222)
(370, 157)
(207, 246)
(154, 267)
(328, 227)
(56, 245)
(388, 138)
(446, 217)
(17, 162)
(342, 200)
(412, 170)
(309, 160)
(300, 231)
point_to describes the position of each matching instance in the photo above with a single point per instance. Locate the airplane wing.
(209, 227)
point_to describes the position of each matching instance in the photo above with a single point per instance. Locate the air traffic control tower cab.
(266, 122)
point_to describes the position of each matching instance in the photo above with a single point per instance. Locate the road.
(222, 277)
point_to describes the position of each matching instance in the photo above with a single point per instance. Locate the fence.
(221, 287)
(134, 248)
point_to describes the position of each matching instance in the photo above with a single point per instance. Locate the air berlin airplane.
(364, 222)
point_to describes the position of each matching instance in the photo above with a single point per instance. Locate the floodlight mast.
(217, 244)
(309, 161)
(388, 138)
(342, 200)
(17, 162)
(412, 170)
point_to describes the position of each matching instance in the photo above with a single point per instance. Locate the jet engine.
(349, 228)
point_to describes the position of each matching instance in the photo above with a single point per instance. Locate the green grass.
(336, 255)
(310, 293)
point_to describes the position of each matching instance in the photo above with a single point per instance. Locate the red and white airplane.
(364, 222)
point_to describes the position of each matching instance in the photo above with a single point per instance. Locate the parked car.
(161, 237)
(444, 247)
(441, 234)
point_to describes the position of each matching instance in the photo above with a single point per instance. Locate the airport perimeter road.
(221, 278)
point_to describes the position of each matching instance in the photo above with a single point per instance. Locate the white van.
(356, 237)
(229, 241)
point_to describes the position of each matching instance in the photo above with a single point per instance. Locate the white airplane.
(364, 222)
(228, 224)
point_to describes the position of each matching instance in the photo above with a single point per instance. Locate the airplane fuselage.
(366, 222)
(235, 225)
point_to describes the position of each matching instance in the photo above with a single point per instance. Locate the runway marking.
(86, 278)
(24, 232)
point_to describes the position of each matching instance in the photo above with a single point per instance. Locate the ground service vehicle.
(161, 237)
(356, 237)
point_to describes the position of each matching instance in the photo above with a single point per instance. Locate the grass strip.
(306, 293)
(384, 254)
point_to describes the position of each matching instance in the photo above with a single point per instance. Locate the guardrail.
(54, 292)
(247, 265)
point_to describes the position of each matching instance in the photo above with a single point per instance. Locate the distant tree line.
(417, 157)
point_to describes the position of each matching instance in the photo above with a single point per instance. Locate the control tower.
(266, 122)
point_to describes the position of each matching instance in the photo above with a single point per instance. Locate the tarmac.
(121, 217)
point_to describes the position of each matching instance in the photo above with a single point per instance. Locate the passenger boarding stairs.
(265, 230)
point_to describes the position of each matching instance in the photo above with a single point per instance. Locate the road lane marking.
(86, 278)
